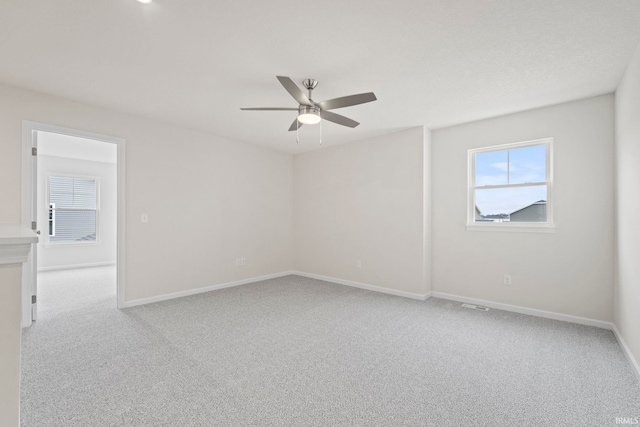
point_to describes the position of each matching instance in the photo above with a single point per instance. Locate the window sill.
(70, 244)
(529, 228)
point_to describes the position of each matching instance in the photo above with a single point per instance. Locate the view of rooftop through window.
(511, 185)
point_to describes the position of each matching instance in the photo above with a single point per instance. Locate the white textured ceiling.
(193, 63)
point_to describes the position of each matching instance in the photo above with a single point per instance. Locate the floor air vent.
(476, 307)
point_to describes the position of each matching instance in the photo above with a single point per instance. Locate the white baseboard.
(627, 350)
(366, 286)
(524, 310)
(71, 266)
(181, 294)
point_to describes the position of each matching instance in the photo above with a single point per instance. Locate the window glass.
(511, 183)
(527, 165)
(491, 168)
(73, 216)
(501, 203)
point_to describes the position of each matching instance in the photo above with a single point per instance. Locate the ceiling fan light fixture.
(309, 115)
(310, 112)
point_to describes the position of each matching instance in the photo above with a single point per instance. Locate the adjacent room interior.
(77, 198)
(445, 235)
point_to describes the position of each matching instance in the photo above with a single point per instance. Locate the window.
(73, 213)
(510, 187)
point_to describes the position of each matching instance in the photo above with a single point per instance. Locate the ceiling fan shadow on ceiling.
(311, 112)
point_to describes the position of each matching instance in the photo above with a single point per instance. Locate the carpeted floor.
(301, 352)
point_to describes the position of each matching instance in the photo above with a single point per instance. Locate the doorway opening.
(73, 197)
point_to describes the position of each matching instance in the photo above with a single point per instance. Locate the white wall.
(209, 200)
(627, 292)
(364, 201)
(52, 255)
(74, 147)
(569, 271)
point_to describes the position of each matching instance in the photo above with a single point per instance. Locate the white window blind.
(73, 204)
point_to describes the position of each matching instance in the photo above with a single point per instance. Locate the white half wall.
(52, 255)
(569, 271)
(209, 200)
(10, 339)
(364, 201)
(627, 290)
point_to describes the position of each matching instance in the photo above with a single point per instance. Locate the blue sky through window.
(514, 166)
(491, 168)
(527, 165)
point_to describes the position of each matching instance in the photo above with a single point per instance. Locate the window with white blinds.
(73, 214)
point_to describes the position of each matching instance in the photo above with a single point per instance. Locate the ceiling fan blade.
(337, 118)
(270, 109)
(347, 101)
(294, 90)
(295, 125)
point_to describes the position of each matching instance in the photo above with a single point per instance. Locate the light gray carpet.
(302, 352)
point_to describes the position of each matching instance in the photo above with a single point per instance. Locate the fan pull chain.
(298, 129)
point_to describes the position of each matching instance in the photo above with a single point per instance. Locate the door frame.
(29, 193)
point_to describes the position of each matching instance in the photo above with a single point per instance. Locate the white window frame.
(50, 243)
(540, 227)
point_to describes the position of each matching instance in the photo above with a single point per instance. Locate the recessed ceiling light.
(145, 1)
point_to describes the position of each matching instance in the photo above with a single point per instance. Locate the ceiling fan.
(311, 112)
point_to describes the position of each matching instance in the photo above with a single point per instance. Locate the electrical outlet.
(507, 279)
(237, 262)
(242, 261)
(358, 264)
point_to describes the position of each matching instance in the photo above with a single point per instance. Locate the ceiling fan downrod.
(310, 84)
